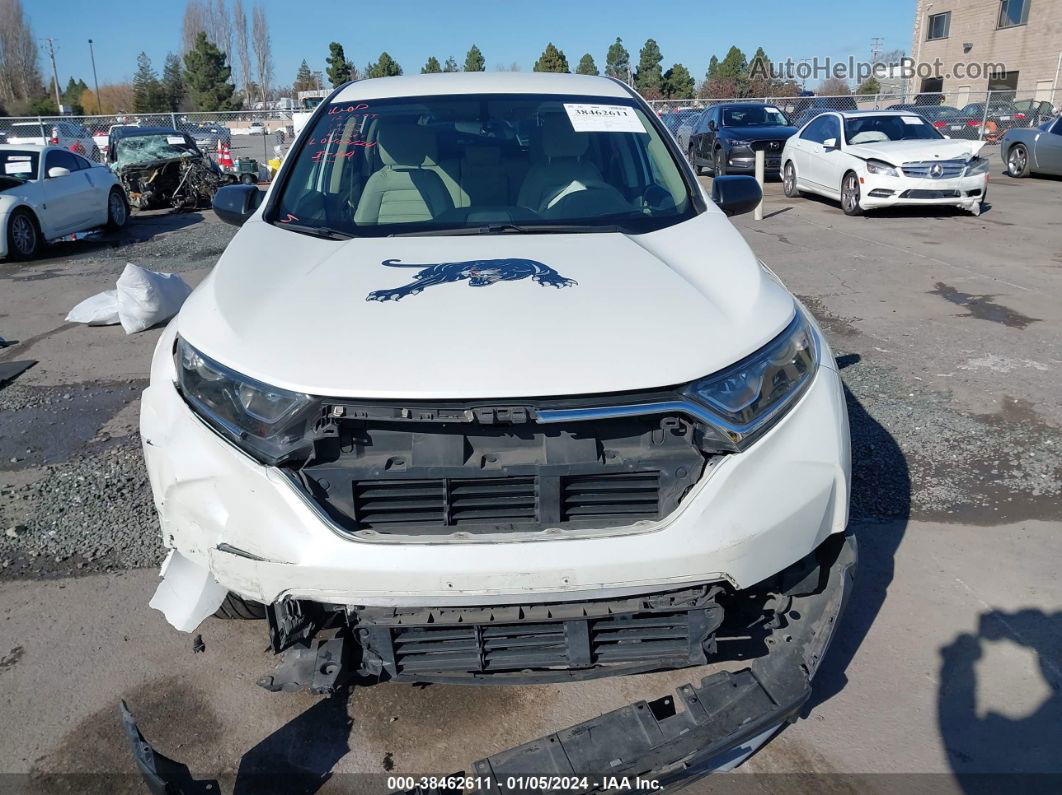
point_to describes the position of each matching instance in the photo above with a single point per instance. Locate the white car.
(874, 159)
(47, 192)
(65, 134)
(520, 413)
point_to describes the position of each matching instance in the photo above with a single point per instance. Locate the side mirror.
(736, 195)
(830, 144)
(711, 124)
(58, 171)
(234, 204)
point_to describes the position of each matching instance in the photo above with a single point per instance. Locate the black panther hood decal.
(478, 273)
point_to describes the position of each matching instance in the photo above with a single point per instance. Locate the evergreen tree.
(474, 61)
(385, 66)
(617, 61)
(339, 68)
(72, 96)
(173, 88)
(586, 66)
(304, 80)
(551, 60)
(147, 91)
(713, 68)
(451, 65)
(869, 86)
(649, 79)
(431, 67)
(678, 83)
(734, 65)
(207, 76)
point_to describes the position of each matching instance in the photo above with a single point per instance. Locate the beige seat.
(408, 187)
(562, 164)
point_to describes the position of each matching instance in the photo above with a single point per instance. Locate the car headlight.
(264, 421)
(748, 398)
(881, 168)
(977, 165)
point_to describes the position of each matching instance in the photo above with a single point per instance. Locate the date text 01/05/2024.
(529, 783)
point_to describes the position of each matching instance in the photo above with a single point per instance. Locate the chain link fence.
(958, 114)
(248, 135)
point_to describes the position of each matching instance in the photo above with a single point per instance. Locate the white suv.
(55, 133)
(486, 388)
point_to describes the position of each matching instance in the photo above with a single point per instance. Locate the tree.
(678, 83)
(20, 74)
(761, 78)
(551, 60)
(72, 96)
(617, 61)
(713, 68)
(147, 90)
(869, 86)
(586, 66)
(451, 65)
(734, 65)
(431, 67)
(263, 50)
(833, 87)
(338, 66)
(304, 79)
(648, 80)
(207, 76)
(113, 98)
(173, 88)
(385, 66)
(243, 52)
(474, 61)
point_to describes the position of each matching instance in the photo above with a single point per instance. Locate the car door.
(68, 198)
(1048, 149)
(810, 137)
(697, 133)
(711, 134)
(825, 164)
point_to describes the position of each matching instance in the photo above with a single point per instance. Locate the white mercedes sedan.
(47, 192)
(874, 159)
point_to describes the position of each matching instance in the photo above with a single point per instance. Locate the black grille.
(480, 648)
(449, 502)
(929, 194)
(626, 494)
(628, 638)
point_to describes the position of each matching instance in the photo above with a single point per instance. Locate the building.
(1023, 36)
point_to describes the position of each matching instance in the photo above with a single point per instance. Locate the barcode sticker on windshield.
(174, 139)
(911, 120)
(18, 167)
(603, 118)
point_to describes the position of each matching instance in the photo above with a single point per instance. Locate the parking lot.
(948, 329)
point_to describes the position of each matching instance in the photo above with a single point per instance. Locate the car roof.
(745, 105)
(855, 114)
(482, 83)
(27, 147)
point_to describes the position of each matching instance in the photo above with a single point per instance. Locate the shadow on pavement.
(989, 751)
(141, 228)
(881, 504)
(300, 755)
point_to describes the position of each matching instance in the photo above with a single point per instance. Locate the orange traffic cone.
(226, 157)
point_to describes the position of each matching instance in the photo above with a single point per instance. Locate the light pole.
(55, 74)
(95, 82)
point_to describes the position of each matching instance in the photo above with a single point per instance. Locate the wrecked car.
(161, 167)
(463, 407)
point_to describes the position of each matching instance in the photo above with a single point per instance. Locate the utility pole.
(876, 44)
(95, 82)
(55, 72)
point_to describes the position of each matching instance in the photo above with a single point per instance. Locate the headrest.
(560, 140)
(483, 155)
(403, 143)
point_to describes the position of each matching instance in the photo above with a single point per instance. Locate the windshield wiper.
(326, 232)
(513, 229)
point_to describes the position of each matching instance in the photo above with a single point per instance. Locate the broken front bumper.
(722, 720)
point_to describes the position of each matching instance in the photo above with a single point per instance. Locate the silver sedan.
(1028, 150)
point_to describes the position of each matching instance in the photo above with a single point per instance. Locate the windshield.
(466, 163)
(754, 117)
(145, 148)
(873, 129)
(19, 165)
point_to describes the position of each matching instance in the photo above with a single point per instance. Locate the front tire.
(117, 210)
(789, 183)
(236, 608)
(693, 161)
(1018, 161)
(23, 235)
(850, 195)
(719, 164)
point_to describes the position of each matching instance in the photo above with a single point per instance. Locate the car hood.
(759, 133)
(899, 152)
(572, 314)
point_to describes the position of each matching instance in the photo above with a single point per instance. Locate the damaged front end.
(165, 171)
(782, 628)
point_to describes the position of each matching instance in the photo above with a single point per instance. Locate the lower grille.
(929, 194)
(670, 630)
(634, 495)
(448, 502)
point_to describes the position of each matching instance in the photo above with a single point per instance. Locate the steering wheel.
(593, 198)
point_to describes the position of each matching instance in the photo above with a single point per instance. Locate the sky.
(687, 31)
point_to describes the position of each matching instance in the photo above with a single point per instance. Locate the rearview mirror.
(830, 144)
(735, 194)
(234, 204)
(58, 171)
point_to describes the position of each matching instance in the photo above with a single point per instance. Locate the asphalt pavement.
(948, 328)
